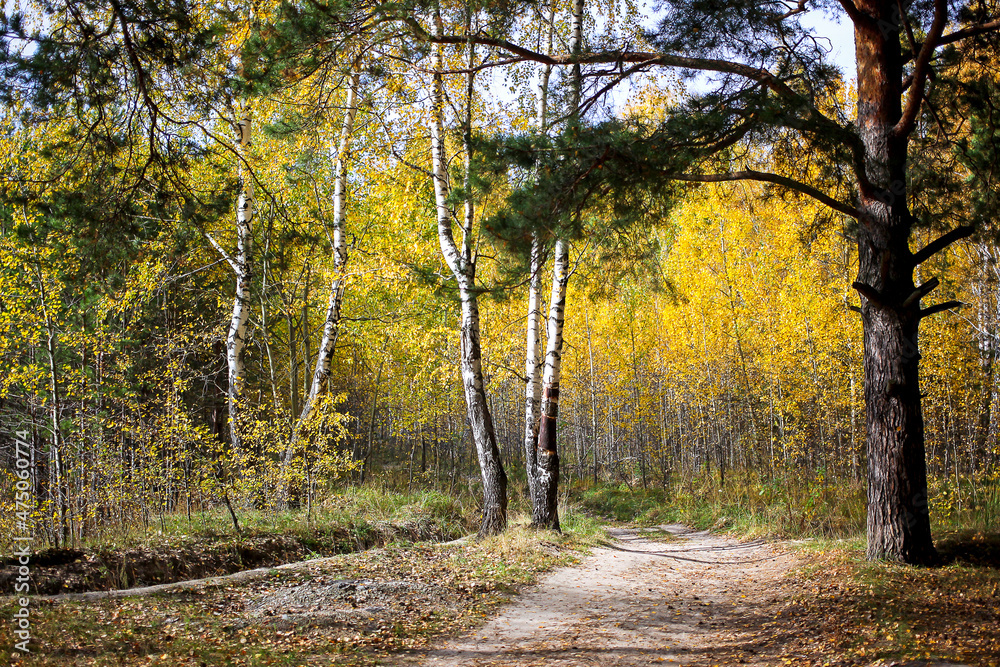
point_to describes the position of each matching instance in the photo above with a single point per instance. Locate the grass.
(744, 506)
(795, 508)
(355, 509)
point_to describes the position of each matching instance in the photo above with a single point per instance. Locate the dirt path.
(639, 601)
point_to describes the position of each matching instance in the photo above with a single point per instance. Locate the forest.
(541, 260)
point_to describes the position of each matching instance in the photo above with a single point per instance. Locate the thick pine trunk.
(236, 338)
(331, 322)
(898, 519)
(545, 513)
(462, 262)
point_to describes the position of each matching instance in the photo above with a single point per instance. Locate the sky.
(841, 37)
(837, 31)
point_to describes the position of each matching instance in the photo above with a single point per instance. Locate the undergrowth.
(817, 507)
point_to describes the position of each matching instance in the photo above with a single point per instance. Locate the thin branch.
(652, 58)
(225, 255)
(467, 70)
(947, 305)
(799, 9)
(959, 35)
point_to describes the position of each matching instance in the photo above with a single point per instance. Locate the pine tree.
(770, 93)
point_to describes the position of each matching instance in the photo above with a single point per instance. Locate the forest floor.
(665, 595)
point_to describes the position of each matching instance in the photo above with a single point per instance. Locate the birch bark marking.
(545, 513)
(331, 322)
(532, 364)
(532, 371)
(463, 266)
(236, 338)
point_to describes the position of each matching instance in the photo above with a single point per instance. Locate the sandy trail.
(639, 601)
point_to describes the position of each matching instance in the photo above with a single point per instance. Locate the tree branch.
(920, 68)
(959, 35)
(947, 305)
(225, 255)
(868, 292)
(791, 184)
(853, 12)
(941, 243)
(921, 292)
(652, 58)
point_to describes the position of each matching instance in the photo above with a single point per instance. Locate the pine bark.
(462, 262)
(898, 518)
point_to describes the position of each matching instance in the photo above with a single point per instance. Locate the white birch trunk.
(331, 322)
(461, 261)
(236, 338)
(545, 510)
(532, 365)
(532, 371)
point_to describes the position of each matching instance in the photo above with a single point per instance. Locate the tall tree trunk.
(331, 323)
(898, 518)
(236, 338)
(55, 406)
(532, 371)
(532, 365)
(462, 262)
(545, 513)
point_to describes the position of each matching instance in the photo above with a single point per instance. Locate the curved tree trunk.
(545, 508)
(331, 322)
(532, 364)
(462, 262)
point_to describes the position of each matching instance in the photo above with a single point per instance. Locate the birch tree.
(240, 263)
(545, 511)
(461, 257)
(335, 297)
(532, 363)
